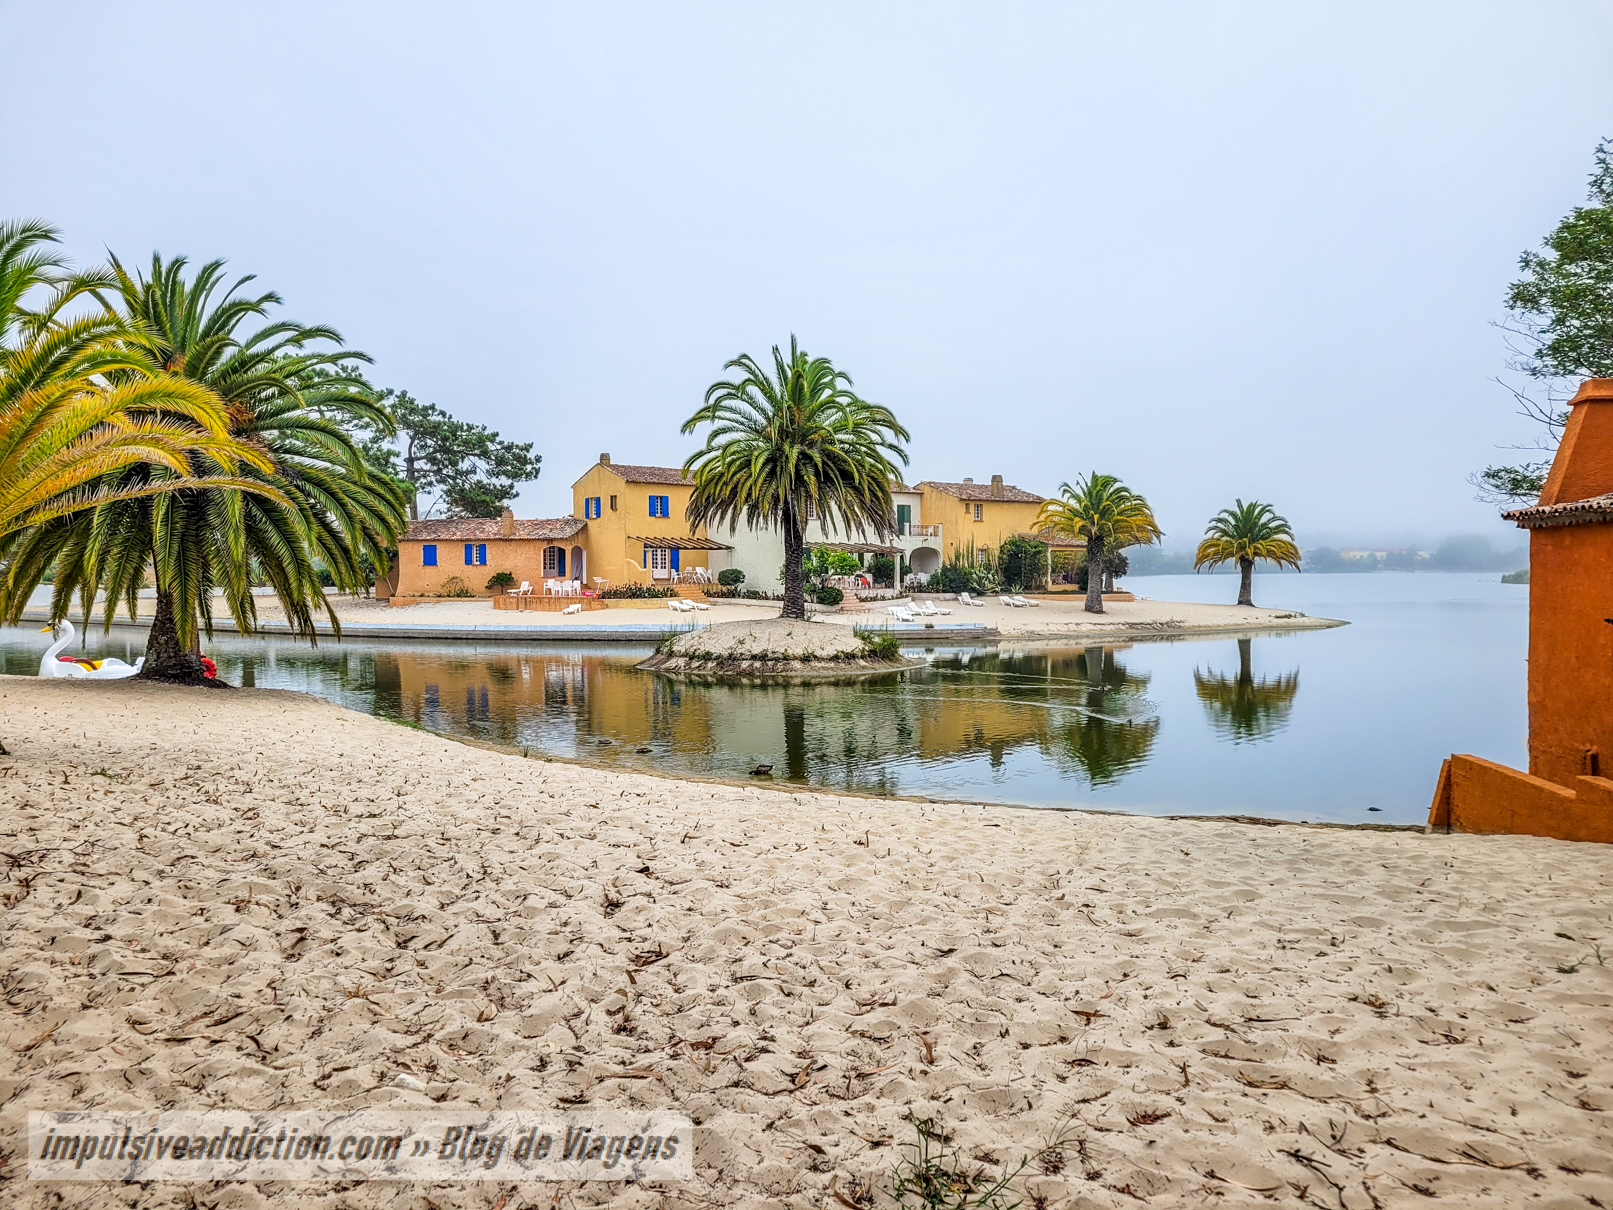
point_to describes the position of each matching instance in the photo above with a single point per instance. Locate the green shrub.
(453, 586)
(730, 577)
(883, 570)
(501, 579)
(1023, 564)
(828, 595)
(326, 580)
(880, 645)
(635, 592)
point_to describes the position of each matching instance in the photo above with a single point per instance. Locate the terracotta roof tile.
(669, 475)
(982, 491)
(1569, 512)
(481, 529)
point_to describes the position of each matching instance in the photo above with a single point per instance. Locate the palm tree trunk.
(168, 659)
(1245, 675)
(794, 588)
(1246, 590)
(1094, 574)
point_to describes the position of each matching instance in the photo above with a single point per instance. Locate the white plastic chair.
(524, 591)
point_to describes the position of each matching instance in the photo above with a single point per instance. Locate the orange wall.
(1583, 466)
(521, 557)
(1570, 650)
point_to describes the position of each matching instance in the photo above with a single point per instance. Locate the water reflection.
(1243, 709)
(1083, 709)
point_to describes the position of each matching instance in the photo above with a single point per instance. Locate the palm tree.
(1242, 708)
(1244, 533)
(789, 445)
(1106, 514)
(80, 406)
(288, 394)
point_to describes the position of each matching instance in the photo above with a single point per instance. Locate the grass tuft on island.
(779, 649)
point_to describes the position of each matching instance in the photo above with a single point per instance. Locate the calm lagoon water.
(1317, 725)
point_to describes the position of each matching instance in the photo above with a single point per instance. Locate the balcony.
(918, 531)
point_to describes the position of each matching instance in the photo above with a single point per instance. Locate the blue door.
(560, 561)
(674, 558)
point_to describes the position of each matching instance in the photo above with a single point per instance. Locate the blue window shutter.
(675, 553)
(646, 557)
(470, 554)
(666, 510)
(428, 555)
(481, 554)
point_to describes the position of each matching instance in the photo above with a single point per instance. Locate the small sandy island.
(774, 649)
(257, 899)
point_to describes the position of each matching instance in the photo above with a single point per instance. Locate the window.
(613, 504)
(475, 554)
(979, 508)
(590, 508)
(660, 506)
(428, 555)
(554, 561)
(657, 559)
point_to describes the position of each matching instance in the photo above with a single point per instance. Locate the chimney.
(506, 523)
(997, 487)
(604, 460)
(968, 480)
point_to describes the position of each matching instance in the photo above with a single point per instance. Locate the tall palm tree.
(1106, 514)
(1242, 708)
(1242, 534)
(791, 444)
(289, 393)
(80, 406)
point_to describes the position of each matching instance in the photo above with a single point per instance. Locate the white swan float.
(79, 668)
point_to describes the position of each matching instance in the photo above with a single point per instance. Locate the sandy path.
(257, 899)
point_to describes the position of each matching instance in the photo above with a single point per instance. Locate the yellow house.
(627, 526)
(636, 526)
(984, 514)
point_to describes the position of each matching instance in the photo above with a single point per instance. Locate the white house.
(759, 553)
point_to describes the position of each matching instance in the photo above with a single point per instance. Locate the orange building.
(1564, 794)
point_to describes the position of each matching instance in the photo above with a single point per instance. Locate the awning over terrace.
(855, 548)
(679, 543)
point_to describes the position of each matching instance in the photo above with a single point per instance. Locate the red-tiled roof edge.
(672, 476)
(982, 492)
(1589, 511)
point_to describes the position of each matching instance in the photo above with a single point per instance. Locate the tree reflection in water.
(1113, 729)
(1243, 709)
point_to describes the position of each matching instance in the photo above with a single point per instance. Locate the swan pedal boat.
(78, 667)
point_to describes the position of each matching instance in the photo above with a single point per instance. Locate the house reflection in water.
(1080, 709)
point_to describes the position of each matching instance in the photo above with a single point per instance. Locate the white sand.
(256, 899)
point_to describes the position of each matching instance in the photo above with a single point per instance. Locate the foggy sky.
(1219, 250)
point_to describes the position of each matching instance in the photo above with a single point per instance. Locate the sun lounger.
(929, 609)
(524, 591)
(965, 599)
(698, 605)
(572, 609)
(1025, 602)
(1010, 602)
(901, 613)
(677, 605)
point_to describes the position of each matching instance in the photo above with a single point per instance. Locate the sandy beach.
(256, 899)
(1050, 619)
